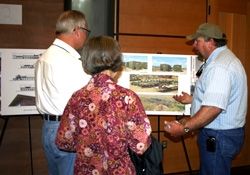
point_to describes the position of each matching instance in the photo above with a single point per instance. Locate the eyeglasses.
(87, 30)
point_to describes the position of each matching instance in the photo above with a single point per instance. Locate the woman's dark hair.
(101, 53)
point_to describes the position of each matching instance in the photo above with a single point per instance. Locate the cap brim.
(192, 37)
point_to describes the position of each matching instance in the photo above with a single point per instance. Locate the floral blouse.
(100, 122)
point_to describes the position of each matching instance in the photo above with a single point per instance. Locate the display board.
(17, 81)
(157, 77)
(154, 77)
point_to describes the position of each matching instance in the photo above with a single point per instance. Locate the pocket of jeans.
(231, 144)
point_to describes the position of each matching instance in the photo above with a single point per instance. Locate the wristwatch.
(186, 130)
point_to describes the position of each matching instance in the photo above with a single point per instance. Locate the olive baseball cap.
(208, 30)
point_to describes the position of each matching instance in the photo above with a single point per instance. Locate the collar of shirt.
(67, 48)
(214, 54)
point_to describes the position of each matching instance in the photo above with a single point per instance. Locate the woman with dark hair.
(102, 120)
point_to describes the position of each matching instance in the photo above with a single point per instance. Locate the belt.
(51, 117)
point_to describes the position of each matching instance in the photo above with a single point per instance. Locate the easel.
(182, 141)
(158, 131)
(6, 119)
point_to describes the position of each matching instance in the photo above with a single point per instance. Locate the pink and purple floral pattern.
(100, 122)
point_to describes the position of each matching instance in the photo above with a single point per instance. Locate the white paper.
(10, 14)
(17, 81)
(156, 78)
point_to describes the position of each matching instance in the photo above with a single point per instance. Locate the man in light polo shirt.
(219, 103)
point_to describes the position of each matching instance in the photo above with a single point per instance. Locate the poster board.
(157, 77)
(154, 77)
(17, 81)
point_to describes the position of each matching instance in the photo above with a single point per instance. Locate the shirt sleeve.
(138, 124)
(65, 138)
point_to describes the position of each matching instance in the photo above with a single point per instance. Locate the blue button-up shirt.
(223, 84)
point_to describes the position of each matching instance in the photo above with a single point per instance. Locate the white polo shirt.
(58, 73)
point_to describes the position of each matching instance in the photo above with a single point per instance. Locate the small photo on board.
(135, 63)
(161, 63)
(154, 83)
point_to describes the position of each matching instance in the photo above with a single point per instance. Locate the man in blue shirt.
(218, 105)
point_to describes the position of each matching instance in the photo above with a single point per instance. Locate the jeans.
(59, 162)
(228, 145)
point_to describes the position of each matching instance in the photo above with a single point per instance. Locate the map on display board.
(154, 77)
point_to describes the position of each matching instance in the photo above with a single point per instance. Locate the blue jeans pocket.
(231, 143)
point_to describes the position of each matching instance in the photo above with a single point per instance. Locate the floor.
(15, 154)
(235, 171)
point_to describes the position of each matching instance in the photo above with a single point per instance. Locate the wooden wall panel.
(138, 44)
(37, 31)
(175, 159)
(234, 25)
(228, 6)
(231, 7)
(244, 157)
(171, 17)
(38, 27)
(160, 26)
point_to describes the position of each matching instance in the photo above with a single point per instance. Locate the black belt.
(51, 117)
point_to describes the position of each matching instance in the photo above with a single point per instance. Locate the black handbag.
(150, 163)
